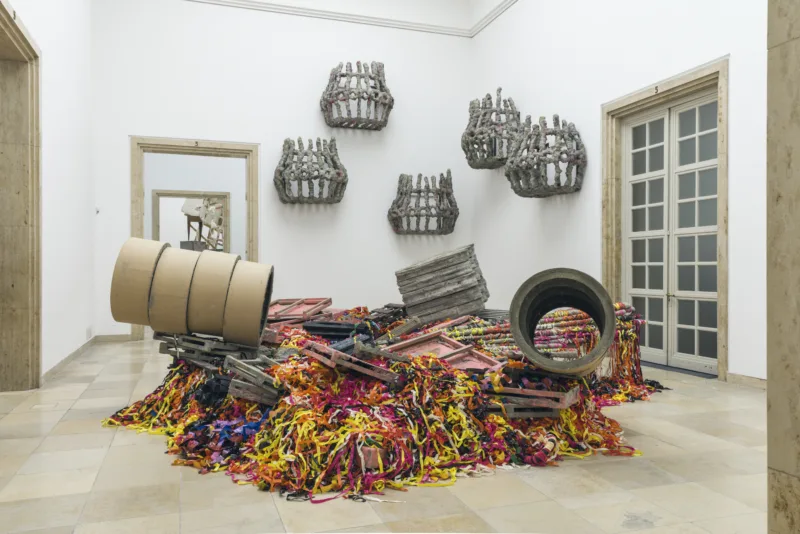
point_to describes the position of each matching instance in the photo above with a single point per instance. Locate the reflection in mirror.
(566, 334)
(196, 202)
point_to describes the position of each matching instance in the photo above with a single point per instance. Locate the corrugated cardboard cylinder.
(209, 291)
(248, 301)
(169, 296)
(133, 278)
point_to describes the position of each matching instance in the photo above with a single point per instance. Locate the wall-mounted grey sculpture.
(425, 209)
(491, 130)
(546, 161)
(359, 100)
(310, 175)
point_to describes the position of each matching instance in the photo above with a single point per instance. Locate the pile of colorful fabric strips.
(315, 440)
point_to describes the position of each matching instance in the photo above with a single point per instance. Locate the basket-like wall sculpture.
(312, 175)
(492, 128)
(546, 161)
(426, 208)
(359, 100)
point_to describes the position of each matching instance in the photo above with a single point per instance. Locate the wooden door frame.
(710, 75)
(193, 147)
(21, 347)
(158, 194)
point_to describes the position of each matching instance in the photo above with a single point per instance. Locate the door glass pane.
(708, 116)
(685, 277)
(656, 276)
(638, 251)
(639, 136)
(707, 344)
(638, 220)
(707, 313)
(707, 146)
(686, 312)
(656, 250)
(708, 182)
(639, 191)
(707, 278)
(638, 277)
(656, 333)
(707, 212)
(686, 215)
(686, 186)
(686, 152)
(638, 305)
(643, 336)
(656, 191)
(656, 312)
(686, 123)
(656, 218)
(639, 162)
(707, 247)
(686, 248)
(656, 158)
(656, 131)
(686, 340)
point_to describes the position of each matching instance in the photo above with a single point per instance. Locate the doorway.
(665, 220)
(20, 225)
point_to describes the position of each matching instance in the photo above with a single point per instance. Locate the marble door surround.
(712, 75)
(783, 263)
(20, 226)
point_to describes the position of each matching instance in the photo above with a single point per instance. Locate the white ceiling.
(462, 18)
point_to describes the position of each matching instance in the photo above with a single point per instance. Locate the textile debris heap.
(336, 433)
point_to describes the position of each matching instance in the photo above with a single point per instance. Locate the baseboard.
(112, 338)
(57, 368)
(751, 381)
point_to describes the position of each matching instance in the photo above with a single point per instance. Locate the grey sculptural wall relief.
(426, 208)
(490, 132)
(312, 175)
(359, 99)
(546, 161)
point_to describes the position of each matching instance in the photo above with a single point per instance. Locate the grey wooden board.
(437, 262)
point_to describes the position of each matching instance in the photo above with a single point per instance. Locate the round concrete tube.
(562, 288)
(249, 294)
(169, 296)
(209, 290)
(133, 279)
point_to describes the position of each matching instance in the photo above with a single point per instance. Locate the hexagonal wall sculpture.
(426, 208)
(312, 175)
(491, 130)
(359, 100)
(546, 161)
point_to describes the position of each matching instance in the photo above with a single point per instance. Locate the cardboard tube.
(169, 296)
(248, 301)
(132, 280)
(209, 290)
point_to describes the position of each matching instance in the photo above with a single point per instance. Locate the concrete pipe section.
(562, 288)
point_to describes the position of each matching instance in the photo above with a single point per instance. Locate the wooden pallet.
(303, 309)
(333, 358)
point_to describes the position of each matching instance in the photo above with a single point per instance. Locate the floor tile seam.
(706, 488)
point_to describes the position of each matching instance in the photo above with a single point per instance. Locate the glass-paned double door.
(670, 232)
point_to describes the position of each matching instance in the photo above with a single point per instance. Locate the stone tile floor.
(703, 470)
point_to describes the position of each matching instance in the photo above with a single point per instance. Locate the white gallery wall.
(614, 48)
(211, 72)
(61, 29)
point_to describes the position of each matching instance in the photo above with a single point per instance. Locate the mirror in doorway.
(192, 221)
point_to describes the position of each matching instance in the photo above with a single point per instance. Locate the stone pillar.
(783, 265)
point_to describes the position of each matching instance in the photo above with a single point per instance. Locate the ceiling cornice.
(273, 7)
